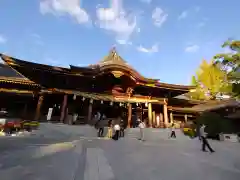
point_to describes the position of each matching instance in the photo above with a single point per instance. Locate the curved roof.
(114, 61)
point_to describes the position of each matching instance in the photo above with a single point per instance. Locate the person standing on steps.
(141, 127)
(204, 140)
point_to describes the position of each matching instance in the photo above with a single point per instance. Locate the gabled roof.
(6, 71)
(207, 106)
(9, 75)
(216, 104)
(11, 61)
(113, 63)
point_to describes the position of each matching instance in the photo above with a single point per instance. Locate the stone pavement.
(86, 157)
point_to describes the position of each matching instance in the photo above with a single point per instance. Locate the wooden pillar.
(185, 117)
(89, 118)
(129, 115)
(150, 114)
(38, 109)
(63, 108)
(154, 118)
(161, 117)
(158, 121)
(171, 117)
(165, 114)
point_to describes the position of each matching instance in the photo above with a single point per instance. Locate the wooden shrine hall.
(111, 86)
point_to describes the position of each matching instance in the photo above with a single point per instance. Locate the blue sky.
(160, 39)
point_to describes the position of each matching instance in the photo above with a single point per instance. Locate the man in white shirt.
(141, 127)
(116, 129)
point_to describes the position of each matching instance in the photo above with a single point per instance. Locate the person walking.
(110, 129)
(141, 127)
(173, 133)
(117, 130)
(100, 125)
(122, 127)
(204, 140)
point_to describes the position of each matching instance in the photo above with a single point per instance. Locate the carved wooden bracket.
(129, 91)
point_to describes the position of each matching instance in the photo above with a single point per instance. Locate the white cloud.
(146, 1)
(153, 49)
(117, 20)
(159, 16)
(2, 39)
(123, 42)
(183, 15)
(65, 7)
(192, 48)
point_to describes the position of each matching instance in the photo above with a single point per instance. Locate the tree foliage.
(231, 62)
(210, 81)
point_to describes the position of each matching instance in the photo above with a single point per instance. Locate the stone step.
(155, 134)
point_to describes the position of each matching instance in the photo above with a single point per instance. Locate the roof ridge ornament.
(113, 58)
(114, 55)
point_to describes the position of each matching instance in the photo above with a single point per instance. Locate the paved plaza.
(64, 152)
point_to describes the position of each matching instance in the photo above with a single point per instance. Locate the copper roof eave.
(191, 101)
(11, 61)
(215, 105)
(90, 70)
(18, 81)
(168, 86)
(17, 91)
(183, 109)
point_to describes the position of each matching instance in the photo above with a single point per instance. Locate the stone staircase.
(69, 130)
(155, 134)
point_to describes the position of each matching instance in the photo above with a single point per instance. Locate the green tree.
(210, 81)
(231, 63)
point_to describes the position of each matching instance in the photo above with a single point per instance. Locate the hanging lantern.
(120, 104)
(91, 101)
(146, 104)
(111, 103)
(102, 102)
(59, 107)
(136, 104)
(74, 97)
(83, 98)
